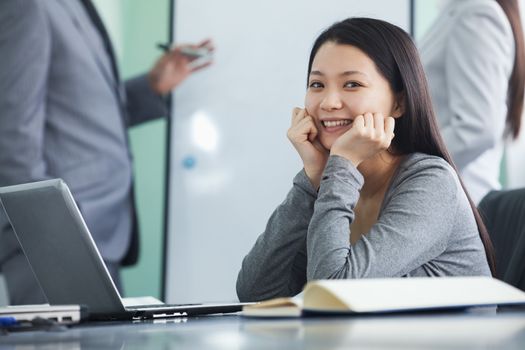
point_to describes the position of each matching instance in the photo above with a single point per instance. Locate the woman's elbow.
(244, 292)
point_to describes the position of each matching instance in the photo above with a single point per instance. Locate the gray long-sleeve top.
(425, 228)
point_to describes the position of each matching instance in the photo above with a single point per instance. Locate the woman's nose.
(332, 100)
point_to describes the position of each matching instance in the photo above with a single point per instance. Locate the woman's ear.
(399, 105)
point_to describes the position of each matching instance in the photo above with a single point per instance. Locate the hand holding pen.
(178, 63)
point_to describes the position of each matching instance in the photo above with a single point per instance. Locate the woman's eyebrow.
(316, 72)
(353, 72)
(346, 73)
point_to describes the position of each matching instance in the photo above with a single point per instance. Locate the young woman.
(474, 58)
(378, 195)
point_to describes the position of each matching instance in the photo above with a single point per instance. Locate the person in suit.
(474, 59)
(64, 113)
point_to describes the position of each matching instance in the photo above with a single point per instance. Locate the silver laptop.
(65, 259)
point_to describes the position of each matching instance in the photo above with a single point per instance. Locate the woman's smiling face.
(344, 83)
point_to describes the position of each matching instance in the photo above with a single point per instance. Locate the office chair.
(504, 215)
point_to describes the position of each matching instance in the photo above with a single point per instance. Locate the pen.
(164, 47)
(191, 52)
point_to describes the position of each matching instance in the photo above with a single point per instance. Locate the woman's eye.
(315, 85)
(351, 84)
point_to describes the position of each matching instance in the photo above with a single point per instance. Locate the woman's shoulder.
(432, 171)
(422, 161)
(427, 179)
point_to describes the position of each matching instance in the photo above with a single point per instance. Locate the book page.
(278, 307)
(395, 294)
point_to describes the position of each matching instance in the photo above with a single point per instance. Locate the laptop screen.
(59, 247)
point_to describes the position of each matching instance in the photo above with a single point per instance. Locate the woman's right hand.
(303, 135)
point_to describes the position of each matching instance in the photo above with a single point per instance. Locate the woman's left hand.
(369, 135)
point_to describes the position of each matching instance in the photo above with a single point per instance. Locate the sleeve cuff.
(339, 170)
(302, 181)
(142, 102)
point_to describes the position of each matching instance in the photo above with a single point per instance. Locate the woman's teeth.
(334, 123)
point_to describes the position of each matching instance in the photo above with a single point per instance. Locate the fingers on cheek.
(301, 122)
(369, 120)
(379, 120)
(385, 141)
(359, 122)
(389, 134)
(309, 121)
(390, 125)
(311, 125)
(297, 114)
(363, 132)
(308, 127)
(297, 128)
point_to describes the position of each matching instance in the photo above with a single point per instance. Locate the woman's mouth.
(334, 125)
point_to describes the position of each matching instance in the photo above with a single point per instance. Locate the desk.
(438, 331)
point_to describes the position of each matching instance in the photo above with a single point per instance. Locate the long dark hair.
(397, 59)
(517, 79)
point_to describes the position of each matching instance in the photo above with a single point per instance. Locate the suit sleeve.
(143, 103)
(276, 265)
(413, 226)
(478, 63)
(24, 62)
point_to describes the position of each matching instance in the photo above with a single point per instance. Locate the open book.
(390, 295)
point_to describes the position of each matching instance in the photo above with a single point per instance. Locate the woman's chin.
(327, 143)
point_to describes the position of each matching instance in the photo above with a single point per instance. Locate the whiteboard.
(230, 161)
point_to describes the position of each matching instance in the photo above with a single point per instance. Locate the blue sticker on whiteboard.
(189, 162)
